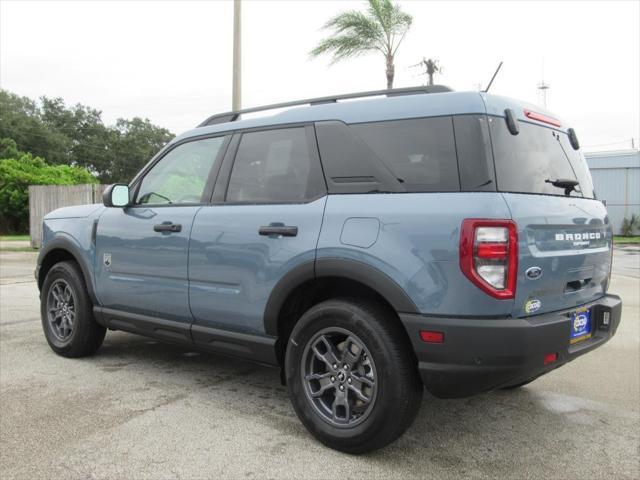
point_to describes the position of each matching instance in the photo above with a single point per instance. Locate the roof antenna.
(493, 78)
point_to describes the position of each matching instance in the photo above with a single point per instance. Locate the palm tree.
(432, 67)
(382, 28)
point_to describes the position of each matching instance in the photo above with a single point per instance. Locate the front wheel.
(67, 312)
(352, 378)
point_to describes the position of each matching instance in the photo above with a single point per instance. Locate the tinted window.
(473, 145)
(525, 161)
(274, 166)
(420, 153)
(181, 175)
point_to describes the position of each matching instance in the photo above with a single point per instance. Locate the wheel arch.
(59, 250)
(312, 282)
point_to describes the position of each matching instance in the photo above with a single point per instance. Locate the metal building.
(616, 176)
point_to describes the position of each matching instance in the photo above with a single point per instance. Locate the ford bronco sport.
(422, 238)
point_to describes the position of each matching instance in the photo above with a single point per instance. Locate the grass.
(620, 240)
(14, 238)
(18, 249)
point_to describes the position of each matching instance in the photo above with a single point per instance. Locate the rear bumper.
(483, 354)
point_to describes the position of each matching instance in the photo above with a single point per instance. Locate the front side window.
(181, 175)
(275, 166)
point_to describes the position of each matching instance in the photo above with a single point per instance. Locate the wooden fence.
(46, 198)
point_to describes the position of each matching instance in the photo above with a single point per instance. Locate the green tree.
(77, 136)
(18, 170)
(20, 120)
(382, 28)
(134, 143)
(87, 138)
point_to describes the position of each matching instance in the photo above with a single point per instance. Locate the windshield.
(538, 160)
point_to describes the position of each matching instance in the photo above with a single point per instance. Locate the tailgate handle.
(576, 285)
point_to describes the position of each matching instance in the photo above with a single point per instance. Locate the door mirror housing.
(116, 195)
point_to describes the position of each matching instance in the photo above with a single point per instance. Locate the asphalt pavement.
(145, 410)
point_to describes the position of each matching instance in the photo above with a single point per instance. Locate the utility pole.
(237, 57)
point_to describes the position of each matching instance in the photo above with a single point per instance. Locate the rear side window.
(275, 166)
(525, 162)
(420, 153)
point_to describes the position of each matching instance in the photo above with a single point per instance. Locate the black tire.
(84, 335)
(397, 392)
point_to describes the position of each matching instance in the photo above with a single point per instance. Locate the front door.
(268, 222)
(142, 250)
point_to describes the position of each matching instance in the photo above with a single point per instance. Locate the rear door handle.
(167, 227)
(280, 229)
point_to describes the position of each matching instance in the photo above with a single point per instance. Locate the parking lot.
(142, 409)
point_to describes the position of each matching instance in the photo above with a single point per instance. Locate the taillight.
(489, 255)
(542, 118)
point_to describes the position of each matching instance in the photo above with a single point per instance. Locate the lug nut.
(333, 379)
(349, 380)
(342, 387)
(335, 366)
(346, 367)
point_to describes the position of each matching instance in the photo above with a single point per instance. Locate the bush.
(629, 225)
(18, 170)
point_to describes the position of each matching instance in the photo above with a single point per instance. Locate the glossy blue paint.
(360, 232)
(70, 227)
(148, 270)
(233, 269)
(565, 266)
(417, 245)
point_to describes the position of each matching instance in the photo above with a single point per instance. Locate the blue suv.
(415, 238)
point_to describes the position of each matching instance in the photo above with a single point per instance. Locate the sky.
(171, 61)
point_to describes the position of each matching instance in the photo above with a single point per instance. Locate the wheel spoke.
(323, 379)
(66, 294)
(352, 351)
(340, 409)
(362, 379)
(330, 355)
(55, 291)
(356, 388)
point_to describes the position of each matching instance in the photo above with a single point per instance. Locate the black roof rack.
(233, 116)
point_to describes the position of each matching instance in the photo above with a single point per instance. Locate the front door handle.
(167, 227)
(278, 229)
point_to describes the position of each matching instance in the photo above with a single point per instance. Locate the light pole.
(237, 56)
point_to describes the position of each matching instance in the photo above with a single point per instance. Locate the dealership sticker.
(532, 305)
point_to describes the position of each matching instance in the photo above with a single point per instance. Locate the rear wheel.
(351, 375)
(67, 312)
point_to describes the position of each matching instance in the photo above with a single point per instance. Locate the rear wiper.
(568, 185)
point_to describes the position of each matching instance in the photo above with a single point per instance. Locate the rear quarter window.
(420, 153)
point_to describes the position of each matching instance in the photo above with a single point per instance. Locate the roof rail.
(235, 115)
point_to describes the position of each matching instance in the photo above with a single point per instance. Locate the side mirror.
(116, 195)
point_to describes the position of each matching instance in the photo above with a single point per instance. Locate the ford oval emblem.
(533, 273)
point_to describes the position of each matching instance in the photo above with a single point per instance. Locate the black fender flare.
(360, 272)
(62, 243)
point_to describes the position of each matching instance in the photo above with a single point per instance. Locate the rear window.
(525, 162)
(420, 153)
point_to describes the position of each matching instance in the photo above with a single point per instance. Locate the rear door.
(264, 222)
(564, 236)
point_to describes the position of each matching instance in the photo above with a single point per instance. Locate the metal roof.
(355, 109)
(613, 159)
